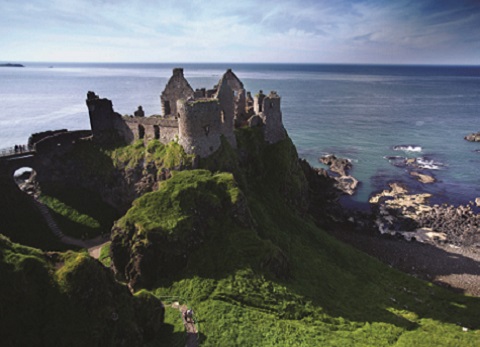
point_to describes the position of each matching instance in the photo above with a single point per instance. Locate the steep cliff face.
(119, 175)
(165, 230)
(155, 238)
(21, 221)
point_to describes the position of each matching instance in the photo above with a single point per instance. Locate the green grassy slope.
(69, 299)
(234, 239)
(282, 281)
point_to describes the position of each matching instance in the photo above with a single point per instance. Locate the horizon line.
(239, 63)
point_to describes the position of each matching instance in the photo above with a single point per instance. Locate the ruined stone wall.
(154, 127)
(176, 89)
(239, 94)
(60, 142)
(226, 97)
(258, 102)
(107, 125)
(34, 138)
(272, 118)
(200, 126)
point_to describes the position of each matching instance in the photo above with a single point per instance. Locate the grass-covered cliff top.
(234, 239)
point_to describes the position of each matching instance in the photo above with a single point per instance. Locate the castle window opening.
(141, 131)
(222, 115)
(156, 132)
(166, 108)
(271, 105)
(207, 129)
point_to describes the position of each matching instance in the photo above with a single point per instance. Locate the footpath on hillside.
(190, 326)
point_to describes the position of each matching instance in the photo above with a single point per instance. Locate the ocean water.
(374, 115)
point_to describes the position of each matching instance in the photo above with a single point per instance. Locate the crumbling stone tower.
(272, 118)
(199, 126)
(176, 89)
(228, 105)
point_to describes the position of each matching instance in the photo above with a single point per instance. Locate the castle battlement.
(196, 118)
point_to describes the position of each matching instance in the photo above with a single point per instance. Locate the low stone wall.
(154, 127)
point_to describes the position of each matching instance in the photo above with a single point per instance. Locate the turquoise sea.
(373, 115)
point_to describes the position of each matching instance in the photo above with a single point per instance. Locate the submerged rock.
(423, 178)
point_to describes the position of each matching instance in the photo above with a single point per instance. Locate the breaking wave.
(424, 163)
(407, 148)
(420, 163)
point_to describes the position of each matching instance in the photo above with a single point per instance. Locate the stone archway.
(24, 177)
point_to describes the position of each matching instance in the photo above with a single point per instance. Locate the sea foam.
(407, 148)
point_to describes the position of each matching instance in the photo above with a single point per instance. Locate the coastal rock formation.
(410, 215)
(475, 137)
(340, 167)
(11, 65)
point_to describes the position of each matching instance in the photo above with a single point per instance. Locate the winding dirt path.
(190, 327)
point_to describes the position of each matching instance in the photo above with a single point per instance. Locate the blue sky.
(307, 31)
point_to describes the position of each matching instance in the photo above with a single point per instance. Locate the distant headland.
(11, 65)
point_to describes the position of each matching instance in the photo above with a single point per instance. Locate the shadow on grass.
(81, 209)
(327, 277)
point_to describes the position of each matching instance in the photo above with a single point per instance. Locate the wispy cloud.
(406, 31)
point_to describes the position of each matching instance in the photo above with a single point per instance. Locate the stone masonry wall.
(154, 127)
(199, 126)
(272, 118)
(107, 125)
(225, 96)
(176, 89)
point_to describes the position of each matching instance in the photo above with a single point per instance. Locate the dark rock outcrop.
(475, 137)
(340, 167)
(399, 212)
(11, 65)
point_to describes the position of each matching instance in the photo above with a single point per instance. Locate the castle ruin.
(197, 119)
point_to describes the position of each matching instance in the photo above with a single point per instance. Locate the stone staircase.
(92, 243)
(49, 219)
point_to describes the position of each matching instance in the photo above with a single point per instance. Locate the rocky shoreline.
(399, 212)
(439, 243)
